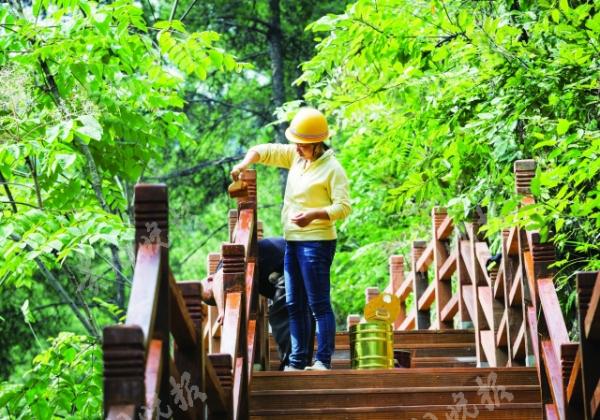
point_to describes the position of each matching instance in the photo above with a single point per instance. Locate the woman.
(316, 195)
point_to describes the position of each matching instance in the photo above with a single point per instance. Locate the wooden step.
(442, 350)
(383, 397)
(346, 379)
(464, 361)
(411, 339)
(513, 393)
(523, 411)
(421, 358)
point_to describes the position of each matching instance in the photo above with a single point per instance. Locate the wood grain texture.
(144, 290)
(232, 324)
(592, 317)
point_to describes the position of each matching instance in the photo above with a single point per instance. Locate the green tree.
(435, 100)
(89, 96)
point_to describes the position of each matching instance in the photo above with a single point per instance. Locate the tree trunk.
(275, 38)
(114, 251)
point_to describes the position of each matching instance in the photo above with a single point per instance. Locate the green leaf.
(545, 143)
(162, 24)
(37, 5)
(178, 26)
(562, 127)
(593, 23)
(91, 128)
(27, 315)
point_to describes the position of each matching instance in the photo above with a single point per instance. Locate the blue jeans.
(306, 268)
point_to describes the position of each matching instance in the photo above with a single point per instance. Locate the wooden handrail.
(141, 310)
(513, 307)
(139, 373)
(244, 338)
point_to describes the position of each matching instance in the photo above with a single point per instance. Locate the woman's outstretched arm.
(251, 157)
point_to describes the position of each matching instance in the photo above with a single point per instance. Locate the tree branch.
(76, 283)
(8, 193)
(208, 237)
(59, 289)
(38, 193)
(173, 9)
(207, 99)
(192, 4)
(196, 168)
(19, 202)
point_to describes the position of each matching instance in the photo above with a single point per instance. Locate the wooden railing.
(207, 371)
(512, 305)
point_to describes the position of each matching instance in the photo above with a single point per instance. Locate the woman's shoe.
(318, 365)
(290, 368)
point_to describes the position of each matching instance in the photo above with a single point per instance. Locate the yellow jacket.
(321, 184)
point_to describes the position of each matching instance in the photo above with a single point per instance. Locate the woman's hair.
(326, 147)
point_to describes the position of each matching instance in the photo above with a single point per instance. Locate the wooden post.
(465, 285)
(422, 318)
(124, 365)
(232, 221)
(212, 337)
(352, 320)
(234, 267)
(151, 211)
(543, 256)
(193, 360)
(498, 309)
(249, 177)
(524, 172)
(478, 281)
(589, 347)
(222, 365)
(443, 287)
(396, 263)
(234, 334)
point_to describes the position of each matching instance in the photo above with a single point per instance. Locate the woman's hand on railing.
(251, 157)
(236, 171)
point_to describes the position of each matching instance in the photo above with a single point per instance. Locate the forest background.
(430, 103)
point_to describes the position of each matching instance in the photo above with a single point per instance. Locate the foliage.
(434, 101)
(64, 381)
(89, 97)
(97, 81)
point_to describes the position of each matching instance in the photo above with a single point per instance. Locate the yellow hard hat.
(308, 126)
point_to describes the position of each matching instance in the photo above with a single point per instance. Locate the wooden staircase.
(176, 357)
(441, 389)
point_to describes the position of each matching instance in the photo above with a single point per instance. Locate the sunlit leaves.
(193, 53)
(87, 99)
(487, 85)
(63, 381)
(85, 73)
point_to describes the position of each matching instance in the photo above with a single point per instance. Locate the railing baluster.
(213, 331)
(443, 288)
(422, 318)
(396, 263)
